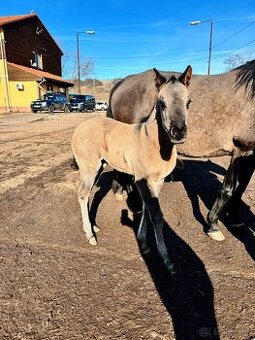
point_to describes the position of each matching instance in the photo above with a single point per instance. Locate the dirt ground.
(54, 285)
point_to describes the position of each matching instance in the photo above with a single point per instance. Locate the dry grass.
(100, 92)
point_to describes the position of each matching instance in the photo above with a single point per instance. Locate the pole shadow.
(200, 182)
(188, 295)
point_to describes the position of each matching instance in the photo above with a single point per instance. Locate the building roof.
(11, 18)
(5, 20)
(41, 74)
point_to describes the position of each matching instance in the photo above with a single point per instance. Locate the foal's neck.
(165, 145)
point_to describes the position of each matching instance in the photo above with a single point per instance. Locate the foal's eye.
(188, 103)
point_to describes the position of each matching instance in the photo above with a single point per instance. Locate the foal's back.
(130, 148)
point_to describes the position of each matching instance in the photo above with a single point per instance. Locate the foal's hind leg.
(87, 182)
(83, 197)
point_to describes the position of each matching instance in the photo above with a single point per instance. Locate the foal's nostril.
(178, 133)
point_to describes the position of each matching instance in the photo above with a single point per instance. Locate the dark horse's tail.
(74, 164)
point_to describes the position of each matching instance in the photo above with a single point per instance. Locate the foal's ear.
(186, 76)
(158, 78)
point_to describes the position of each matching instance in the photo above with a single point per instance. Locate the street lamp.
(78, 56)
(198, 22)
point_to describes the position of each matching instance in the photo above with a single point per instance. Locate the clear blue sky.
(133, 36)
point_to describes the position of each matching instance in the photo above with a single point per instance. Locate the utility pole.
(198, 22)
(78, 57)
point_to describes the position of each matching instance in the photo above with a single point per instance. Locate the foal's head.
(173, 103)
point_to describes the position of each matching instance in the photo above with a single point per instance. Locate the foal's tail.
(74, 164)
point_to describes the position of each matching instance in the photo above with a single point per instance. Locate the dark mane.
(246, 77)
(172, 79)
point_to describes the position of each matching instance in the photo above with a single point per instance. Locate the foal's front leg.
(142, 231)
(149, 190)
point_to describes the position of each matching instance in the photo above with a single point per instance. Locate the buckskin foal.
(145, 150)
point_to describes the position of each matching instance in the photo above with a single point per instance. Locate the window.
(38, 60)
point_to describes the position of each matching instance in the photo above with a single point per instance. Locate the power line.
(237, 49)
(233, 35)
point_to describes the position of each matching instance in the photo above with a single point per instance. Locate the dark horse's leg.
(153, 214)
(235, 182)
(120, 183)
(245, 171)
(117, 188)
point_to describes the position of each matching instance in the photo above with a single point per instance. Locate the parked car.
(101, 106)
(51, 102)
(82, 102)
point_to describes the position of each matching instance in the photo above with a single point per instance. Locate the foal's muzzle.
(177, 135)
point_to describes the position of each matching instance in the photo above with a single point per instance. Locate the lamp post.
(78, 56)
(198, 22)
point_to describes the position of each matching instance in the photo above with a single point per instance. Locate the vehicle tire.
(93, 110)
(66, 109)
(51, 109)
(34, 111)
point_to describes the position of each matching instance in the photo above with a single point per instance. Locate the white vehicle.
(101, 106)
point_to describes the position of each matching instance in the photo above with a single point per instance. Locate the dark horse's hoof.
(74, 165)
(170, 269)
(145, 250)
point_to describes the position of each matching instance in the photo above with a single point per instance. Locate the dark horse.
(221, 122)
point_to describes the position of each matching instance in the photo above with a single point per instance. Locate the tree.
(86, 68)
(233, 61)
(65, 65)
(116, 80)
(236, 60)
(70, 70)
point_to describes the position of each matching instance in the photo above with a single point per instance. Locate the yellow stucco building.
(30, 63)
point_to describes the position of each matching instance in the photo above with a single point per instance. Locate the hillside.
(99, 88)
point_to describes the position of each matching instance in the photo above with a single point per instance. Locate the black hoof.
(170, 268)
(145, 250)
(74, 165)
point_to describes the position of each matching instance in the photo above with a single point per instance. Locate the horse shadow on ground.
(200, 181)
(188, 295)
